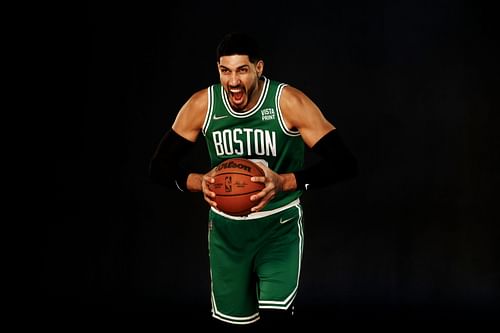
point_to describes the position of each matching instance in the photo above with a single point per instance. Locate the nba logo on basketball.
(227, 184)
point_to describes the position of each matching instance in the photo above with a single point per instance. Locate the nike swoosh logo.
(219, 117)
(285, 221)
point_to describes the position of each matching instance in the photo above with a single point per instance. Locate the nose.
(234, 80)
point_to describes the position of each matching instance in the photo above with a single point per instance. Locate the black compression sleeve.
(337, 163)
(164, 167)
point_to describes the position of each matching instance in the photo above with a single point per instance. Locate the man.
(255, 260)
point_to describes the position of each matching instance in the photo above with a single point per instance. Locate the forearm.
(193, 182)
(164, 167)
(337, 164)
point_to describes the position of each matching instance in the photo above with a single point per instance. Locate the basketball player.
(255, 260)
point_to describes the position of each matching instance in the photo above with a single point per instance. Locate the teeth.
(235, 90)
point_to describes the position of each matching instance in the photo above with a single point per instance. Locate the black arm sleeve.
(337, 163)
(164, 167)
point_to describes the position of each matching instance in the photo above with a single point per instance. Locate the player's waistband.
(258, 215)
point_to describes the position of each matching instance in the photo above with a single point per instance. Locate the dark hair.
(239, 43)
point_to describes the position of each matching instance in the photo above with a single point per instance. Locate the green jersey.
(258, 134)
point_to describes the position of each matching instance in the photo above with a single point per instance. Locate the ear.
(259, 67)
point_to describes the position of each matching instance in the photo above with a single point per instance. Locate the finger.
(208, 193)
(205, 186)
(261, 205)
(258, 179)
(263, 202)
(258, 196)
(210, 201)
(209, 197)
(209, 179)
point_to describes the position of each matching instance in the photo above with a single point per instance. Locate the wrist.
(193, 182)
(289, 182)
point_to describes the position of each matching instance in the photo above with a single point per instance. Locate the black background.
(411, 85)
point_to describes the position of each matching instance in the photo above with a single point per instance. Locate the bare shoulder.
(292, 98)
(191, 116)
(296, 105)
(301, 113)
(198, 102)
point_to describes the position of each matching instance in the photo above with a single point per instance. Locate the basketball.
(233, 187)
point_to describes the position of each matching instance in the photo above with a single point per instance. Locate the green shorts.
(254, 263)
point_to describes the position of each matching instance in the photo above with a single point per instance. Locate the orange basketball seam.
(235, 173)
(237, 194)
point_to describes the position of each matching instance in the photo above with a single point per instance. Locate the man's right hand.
(208, 195)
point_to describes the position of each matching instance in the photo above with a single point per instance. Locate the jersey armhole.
(281, 119)
(208, 115)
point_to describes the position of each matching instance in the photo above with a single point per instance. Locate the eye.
(244, 70)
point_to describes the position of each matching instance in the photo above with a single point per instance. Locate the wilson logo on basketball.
(230, 164)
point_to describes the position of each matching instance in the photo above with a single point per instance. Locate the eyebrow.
(239, 67)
